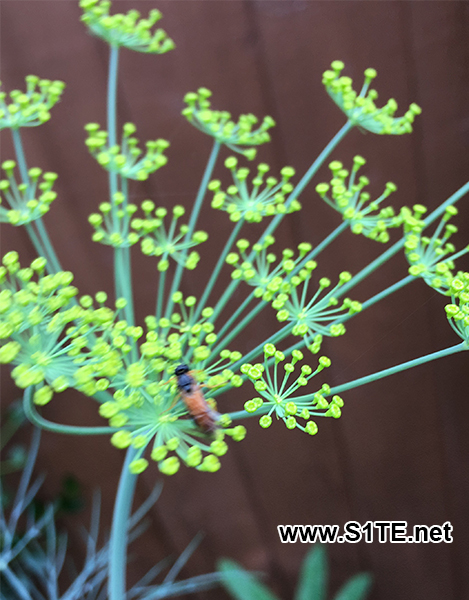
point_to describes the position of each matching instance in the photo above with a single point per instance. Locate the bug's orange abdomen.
(204, 417)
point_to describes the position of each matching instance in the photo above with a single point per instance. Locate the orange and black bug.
(204, 417)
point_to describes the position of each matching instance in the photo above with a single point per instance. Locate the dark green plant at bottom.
(312, 583)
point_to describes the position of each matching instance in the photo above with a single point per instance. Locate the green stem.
(239, 327)
(310, 173)
(20, 157)
(40, 240)
(318, 249)
(236, 314)
(119, 529)
(49, 249)
(36, 419)
(192, 222)
(217, 269)
(389, 290)
(458, 194)
(160, 297)
(35, 240)
(391, 371)
(112, 94)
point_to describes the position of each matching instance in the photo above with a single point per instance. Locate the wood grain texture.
(400, 451)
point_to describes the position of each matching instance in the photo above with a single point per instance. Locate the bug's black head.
(181, 370)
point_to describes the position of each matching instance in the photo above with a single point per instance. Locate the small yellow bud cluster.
(126, 30)
(111, 224)
(361, 109)
(218, 124)
(126, 159)
(260, 273)
(458, 311)
(318, 316)
(348, 198)
(432, 258)
(252, 206)
(31, 107)
(162, 243)
(28, 200)
(275, 394)
(54, 342)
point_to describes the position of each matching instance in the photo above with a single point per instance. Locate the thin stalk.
(218, 267)
(119, 530)
(239, 327)
(236, 314)
(391, 371)
(389, 290)
(20, 157)
(35, 239)
(112, 94)
(160, 296)
(40, 239)
(310, 173)
(36, 419)
(192, 222)
(320, 247)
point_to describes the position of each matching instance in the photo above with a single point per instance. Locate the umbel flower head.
(171, 243)
(276, 392)
(126, 159)
(267, 201)
(348, 198)
(54, 342)
(319, 315)
(458, 311)
(126, 30)
(431, 258)
(112, 223)
(30, 108)
(361, 109)
(219, 125)
(260, 272)
(27, 201)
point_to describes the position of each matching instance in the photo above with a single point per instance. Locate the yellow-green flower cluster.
(147, 406)
(348, 198)
(126, 159)
(31, 107)
(318, 316)
(127, 30)
(361, 109)
(112, 223)
(240, 203)
(458, 311)
(219, 125)
(157, 241)
(276, 392)
(260, 272)
(432, 258)
(54, 342)
(27, 201)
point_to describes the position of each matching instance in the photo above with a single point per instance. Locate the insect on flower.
(205, 417)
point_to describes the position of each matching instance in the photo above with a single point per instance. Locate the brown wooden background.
(400, 451)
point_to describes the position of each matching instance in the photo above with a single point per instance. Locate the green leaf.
(241, 584)
(356, 588)
(312, 584)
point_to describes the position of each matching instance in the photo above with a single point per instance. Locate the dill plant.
(55, 338)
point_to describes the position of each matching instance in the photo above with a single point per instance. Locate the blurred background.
(400, 450)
